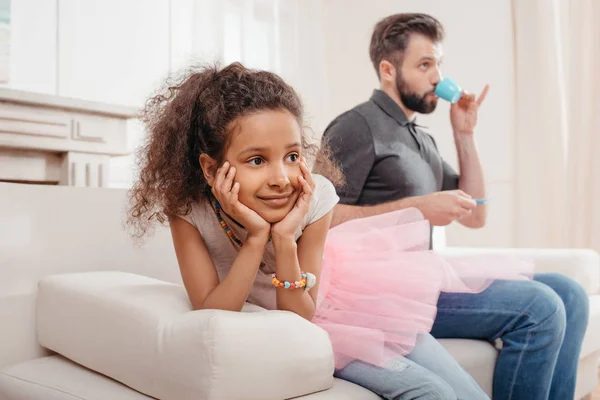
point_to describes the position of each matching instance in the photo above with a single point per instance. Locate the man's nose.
(437, 76)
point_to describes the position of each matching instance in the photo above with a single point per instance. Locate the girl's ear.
(209, 168)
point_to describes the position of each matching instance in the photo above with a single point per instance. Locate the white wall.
(119, 51)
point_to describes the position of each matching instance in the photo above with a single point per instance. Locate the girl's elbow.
(210, 305)
(306, 314)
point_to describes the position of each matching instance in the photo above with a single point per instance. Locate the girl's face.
(265, 149)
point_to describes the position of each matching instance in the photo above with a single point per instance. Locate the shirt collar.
(389, 106)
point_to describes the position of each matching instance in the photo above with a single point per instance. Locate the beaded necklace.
(225, 226)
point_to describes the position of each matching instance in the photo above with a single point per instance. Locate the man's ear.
(209, 168)
(387, 71)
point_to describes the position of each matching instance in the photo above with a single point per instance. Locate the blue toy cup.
(448, 90)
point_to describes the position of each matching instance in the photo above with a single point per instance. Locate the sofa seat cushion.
(142, 332)
(342, 390)
(477, 357)
(591, 340)
(56, 378)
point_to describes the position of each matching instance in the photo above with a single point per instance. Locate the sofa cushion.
(583, 265)
(56, 378)
(342, 390)
(591, 340)
(142, 332)
(477, 357)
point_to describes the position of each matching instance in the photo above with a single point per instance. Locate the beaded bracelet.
(290, 285)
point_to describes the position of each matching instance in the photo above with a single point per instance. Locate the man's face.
(419, 74)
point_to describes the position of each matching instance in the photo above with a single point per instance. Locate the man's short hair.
(392, 34)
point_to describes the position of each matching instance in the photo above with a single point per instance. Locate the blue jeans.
(428, 373)
(541, 324)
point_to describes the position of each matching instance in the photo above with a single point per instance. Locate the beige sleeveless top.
(223, 250)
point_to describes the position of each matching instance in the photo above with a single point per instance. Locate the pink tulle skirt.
(380, 285)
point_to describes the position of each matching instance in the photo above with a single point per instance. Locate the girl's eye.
(293, 157)
(424, 65)
(256, 161)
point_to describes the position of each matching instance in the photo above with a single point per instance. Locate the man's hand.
(442, 208)
(463, 114)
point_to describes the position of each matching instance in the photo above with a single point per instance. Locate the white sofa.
(57, 234)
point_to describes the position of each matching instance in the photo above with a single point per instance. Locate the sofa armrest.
(583, 265)
(141, 331)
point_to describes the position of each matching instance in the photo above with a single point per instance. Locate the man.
(390, 163)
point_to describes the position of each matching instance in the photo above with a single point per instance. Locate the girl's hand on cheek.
(226, 192)
(287, 227)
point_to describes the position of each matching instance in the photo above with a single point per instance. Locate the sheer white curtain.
(557, 102)
(282, 36)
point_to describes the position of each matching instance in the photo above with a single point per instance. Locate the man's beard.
(422, 104)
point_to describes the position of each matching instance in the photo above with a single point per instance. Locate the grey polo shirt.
(384, 156)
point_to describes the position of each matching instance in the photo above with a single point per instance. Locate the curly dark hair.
(192, 115)
(392, 34)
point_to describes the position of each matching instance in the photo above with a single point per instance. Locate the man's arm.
(439, 208)
(345, 212)
(463, 118)
(471, 179)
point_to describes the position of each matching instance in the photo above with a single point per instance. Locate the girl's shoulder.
(323, 200)
(324, 189)
(200, 212)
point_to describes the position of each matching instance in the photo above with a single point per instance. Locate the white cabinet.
(58, 140)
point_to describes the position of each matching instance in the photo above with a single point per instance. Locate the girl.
(225, 163)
